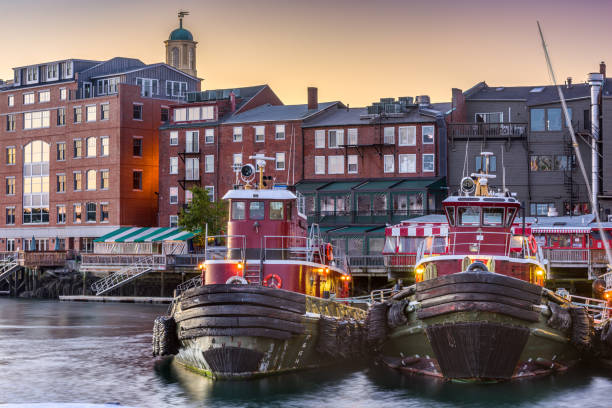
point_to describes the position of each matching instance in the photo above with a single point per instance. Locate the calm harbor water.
(88, 353)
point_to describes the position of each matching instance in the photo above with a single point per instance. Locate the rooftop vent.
(536, 90)
(423, 100)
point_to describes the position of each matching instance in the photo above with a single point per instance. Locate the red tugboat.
(269, 298)
(478, 310)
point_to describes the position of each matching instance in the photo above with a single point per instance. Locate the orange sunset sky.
(352, 50)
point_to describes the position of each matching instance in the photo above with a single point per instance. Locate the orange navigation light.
(202, 266)
(239, 266)
(540, 272)
(326, 270)
(607, 295)
(320, 270)
(419, 270)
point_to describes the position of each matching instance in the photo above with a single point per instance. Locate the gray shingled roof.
(352, 116)
(548, 94)
(267, 112)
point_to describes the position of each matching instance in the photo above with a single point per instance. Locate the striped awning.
(139, 234)
(561, 230)
(418, 231)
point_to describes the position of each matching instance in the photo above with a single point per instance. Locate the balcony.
(493, 131)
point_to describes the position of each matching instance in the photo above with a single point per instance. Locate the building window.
(407, 163)
(165, 114)
(36, 182)
(104, 212)
(61, 183)
(137, 113)
(352, 164)
(78, 114)
(44, 96)
(10, 245)
(237, 134)
(389, 163)
(61, 151)
(77, 148)
(91, 145)
(554, 120)
(10, 123)
(260, 135)
(36, 120)
(540, 209)
(76, 213)
(11, 101)
(336, 138)
(209, 136)
(174, 138)
(180, 115)
(10, 155)
(428, 134)
(208, 112)
(67, 69)
(61, 116)
(10, 186)
(10, 215)
(237, 159)
(91, 180)
(104, 181)
(137, 146)
(551, 163)
(192, 168)
(175, 88)
(52, 72)
(105, 146)
(173, 165)
(77, 181)
(319, 164)
(407, 136)
(209, 163)
(104, 111)
(108, 86)
(61, 214)
(148, 87)
(32, 74)
(280, 161)
(352, 137)
(193, 113)
(192, 141)
(91, 212)
(428, 163)
(389, 135)
(489, 117)
(280, 132)
(173, 195)
(335, 164)
(173, 221)
(319, 139)
(137, 180)
(492, 164)
(28, 98)
(211, 192)
(63, 94)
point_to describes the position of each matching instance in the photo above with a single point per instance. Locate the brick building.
(80, 148)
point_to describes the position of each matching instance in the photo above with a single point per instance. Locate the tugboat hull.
(479, 326)
(246, 331)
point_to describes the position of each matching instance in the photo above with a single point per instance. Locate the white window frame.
(102, 110)
(283, 161)
(433, 163)
(173, 195)
(47, 96)
(433, 134)
(211, 192)
(50, 69)
(338, 136)
(352, 159)
(180, 114)
(173, 166)
(408, 156)
(390, 157)
(236, 162)
(209, 163)
(94, 113)
(280, 129)
(88, 148)
(173, 221)
(31, 118)
(32, 75)
(102, 171)
(174, 138)
(209, 133)
(352, 137)
(486, 115)
(259, 131)
(320, 139)
(63, 92)
(102, 140)
(407, 136)
(208, 112)
(237, 134)
(192, 141)
(11, 100)
(389, 139)
(319, 164)
(192, 168)
(29, 98)
(331, 160)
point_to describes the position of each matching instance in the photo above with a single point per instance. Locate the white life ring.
(236, 280)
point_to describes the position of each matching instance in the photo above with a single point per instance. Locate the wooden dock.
(117, 299)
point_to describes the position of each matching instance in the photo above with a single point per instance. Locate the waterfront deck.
(117, 299)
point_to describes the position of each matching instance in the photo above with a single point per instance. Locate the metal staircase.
(252, 273)
(8, 266)
(140, 267)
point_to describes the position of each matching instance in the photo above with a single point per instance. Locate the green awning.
(419, 184)
(340, 186)
(111, 234)
(145, 234)
(357, 230)
(306, 188)
(326, 229)
(380, 185)
(132, 235)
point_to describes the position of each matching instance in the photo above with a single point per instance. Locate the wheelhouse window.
(450, 214)
(493, 217)
(510, 216)
(238, 210)
(468, 216)
(257, 210)
(276, 210)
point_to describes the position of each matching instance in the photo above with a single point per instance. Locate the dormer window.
(52, 72)
(32, 75)
(67, 69)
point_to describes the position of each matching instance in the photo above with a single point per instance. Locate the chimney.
(233, 100)
(423, 101)
(569, 82)
(313, 98)
(602, 68)
(595, 82)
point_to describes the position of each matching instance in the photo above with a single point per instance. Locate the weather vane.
(181, 14)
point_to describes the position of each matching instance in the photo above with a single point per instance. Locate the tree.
(201, 211)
